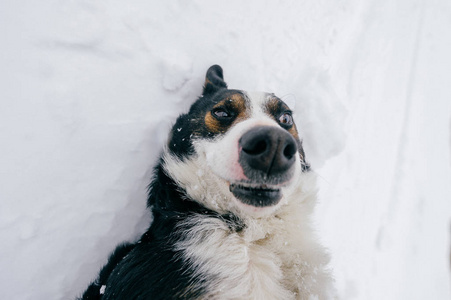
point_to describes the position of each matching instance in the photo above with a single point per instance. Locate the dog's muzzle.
(267, 157)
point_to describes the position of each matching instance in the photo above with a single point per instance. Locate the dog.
(232, 198)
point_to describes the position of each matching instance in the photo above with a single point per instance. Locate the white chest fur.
(271, 258)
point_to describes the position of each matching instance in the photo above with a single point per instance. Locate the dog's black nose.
(267, 149)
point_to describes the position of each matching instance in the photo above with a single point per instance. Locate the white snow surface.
(89, 90)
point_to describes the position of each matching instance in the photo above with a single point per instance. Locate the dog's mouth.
(256, 195)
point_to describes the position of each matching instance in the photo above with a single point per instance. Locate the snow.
(90, 90)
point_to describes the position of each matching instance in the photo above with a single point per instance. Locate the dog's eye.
(221, 113)
(286, 119)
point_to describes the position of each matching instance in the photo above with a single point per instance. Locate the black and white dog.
(232, 198)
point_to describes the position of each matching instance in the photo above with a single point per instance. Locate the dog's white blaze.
(257, 101)
(276, 255)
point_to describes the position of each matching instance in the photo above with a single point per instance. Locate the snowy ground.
(90, 88)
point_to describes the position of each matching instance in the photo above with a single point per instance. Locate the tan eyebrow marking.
(271, 106)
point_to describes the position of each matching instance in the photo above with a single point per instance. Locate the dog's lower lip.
(256, 195)
(262, 187)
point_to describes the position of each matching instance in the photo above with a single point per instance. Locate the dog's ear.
(214, 80)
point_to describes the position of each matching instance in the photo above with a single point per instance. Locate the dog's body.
(232, 199)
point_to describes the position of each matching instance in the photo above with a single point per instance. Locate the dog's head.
(235, 151)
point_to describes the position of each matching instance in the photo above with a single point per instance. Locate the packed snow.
(90, 90)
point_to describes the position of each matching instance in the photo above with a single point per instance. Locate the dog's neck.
(170, 203)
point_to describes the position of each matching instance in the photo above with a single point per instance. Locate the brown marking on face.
(235, 104)
(212, 124)
(301, 152)
(294, 132)
(272, 106)
(275, 107)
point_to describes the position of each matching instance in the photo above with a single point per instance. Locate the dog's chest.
(252, 264)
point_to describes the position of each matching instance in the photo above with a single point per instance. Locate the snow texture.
(90, 89)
